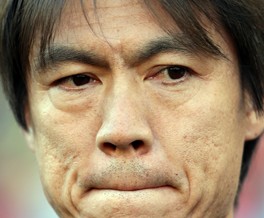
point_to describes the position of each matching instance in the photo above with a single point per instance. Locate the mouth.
(134, 182)
(130, 185)
(135, 194)
(130, 178)
(133, 188)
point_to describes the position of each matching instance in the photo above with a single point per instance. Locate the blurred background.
(21, 195)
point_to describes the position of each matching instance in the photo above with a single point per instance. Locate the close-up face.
(127, 122)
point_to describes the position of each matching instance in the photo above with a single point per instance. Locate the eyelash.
(167, 78)
(171, 79)
(79, 79)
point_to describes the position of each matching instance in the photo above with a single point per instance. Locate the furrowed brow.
(57, 55)
(179, 44)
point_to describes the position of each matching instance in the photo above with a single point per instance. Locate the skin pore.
(127, 122)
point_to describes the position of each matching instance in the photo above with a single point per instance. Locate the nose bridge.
(123, 105)
(124, 128)
(124, 109)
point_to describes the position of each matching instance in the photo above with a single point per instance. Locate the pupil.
(176, 72)
(80, 80)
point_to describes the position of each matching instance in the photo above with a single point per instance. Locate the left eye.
(171, 75)
(175, 72)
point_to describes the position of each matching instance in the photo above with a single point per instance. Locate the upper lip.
(131, 176)
(130, 181)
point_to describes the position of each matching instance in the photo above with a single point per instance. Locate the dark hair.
(22, 21)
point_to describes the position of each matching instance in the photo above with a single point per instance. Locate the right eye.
(78, 81)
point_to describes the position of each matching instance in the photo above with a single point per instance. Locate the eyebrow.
(59, 54)
(56, 55)
(178, 44)
(157, 46)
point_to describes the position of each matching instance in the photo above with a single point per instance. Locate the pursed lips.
(131, 182)
(132, 188)
(131, 176)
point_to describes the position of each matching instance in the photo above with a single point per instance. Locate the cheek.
(208, 130)
(208, 138)
(63, 140)
(207, 141)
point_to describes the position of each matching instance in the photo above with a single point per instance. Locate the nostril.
(109, 148)
(135, 147)
(137, 144)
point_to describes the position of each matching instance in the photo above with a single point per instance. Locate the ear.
(29, 133)
(255, 124)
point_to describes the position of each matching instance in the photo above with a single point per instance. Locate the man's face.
(127, 125)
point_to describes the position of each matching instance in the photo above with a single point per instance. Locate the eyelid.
(67, 79)
(68, 69)
(158, 69)
(160, 76)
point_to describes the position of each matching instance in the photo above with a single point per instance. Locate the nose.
(124, 131)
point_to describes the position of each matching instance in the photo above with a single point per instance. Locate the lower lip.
(130, 194)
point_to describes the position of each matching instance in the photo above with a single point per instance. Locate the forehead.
(125, 25)
(111, 21)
